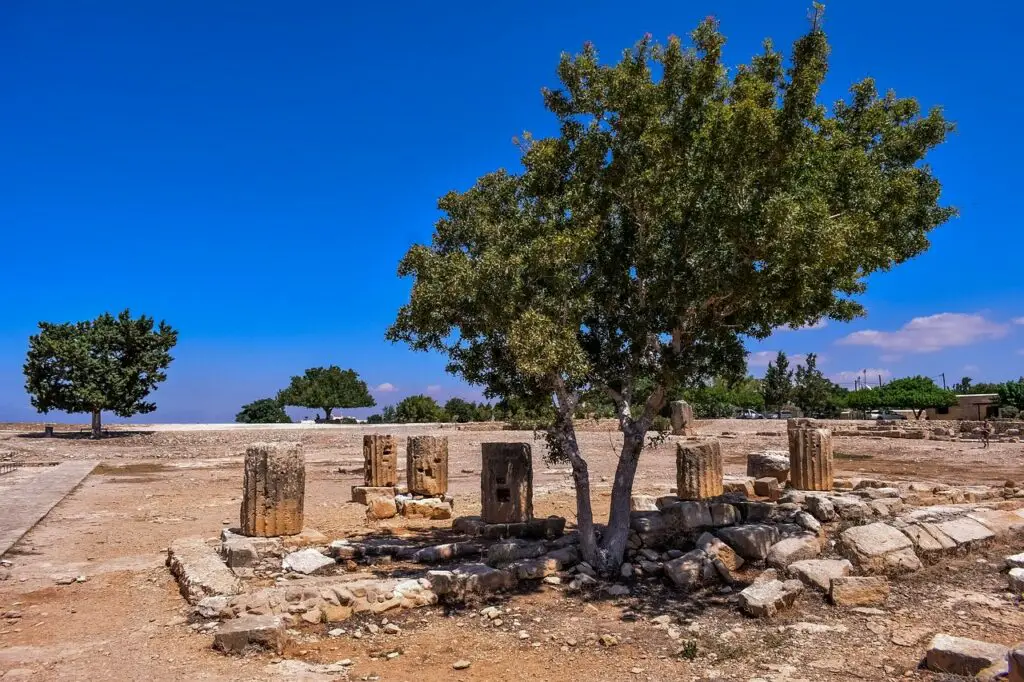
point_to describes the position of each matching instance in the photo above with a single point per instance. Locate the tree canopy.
(813, 393)
(418, 409)
(326, 388)
(263, 411)
(1012, 393)
(910, 393)
(110, 364)
(682, 207)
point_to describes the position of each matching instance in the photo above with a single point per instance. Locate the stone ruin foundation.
(425, 493)
(506, 483)
(699, 470)
(847, 542)
(274, 489)
(810, 455)
(427, 465)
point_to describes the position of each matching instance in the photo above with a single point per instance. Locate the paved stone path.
(29, 493)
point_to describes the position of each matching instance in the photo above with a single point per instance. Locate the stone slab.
(28, 494)
(199, 570)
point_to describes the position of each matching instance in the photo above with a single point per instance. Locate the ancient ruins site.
(771, 550)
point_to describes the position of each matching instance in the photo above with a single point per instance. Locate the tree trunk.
(327, 414)
(97, 426)
(614, 542)
(565, 433)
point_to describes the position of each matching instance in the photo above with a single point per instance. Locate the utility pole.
(943, 381)
(879, 380)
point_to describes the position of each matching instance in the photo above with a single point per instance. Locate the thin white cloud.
(1018, 320)
(872, 374)
(386, 388)
(930, 334)
(434, 388)
(761, 358)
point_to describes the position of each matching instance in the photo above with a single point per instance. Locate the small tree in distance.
(325, 388)
(778, 383)
(107, 364)
(813, 393)
(263, 411)
(682, 207)
(419, 409)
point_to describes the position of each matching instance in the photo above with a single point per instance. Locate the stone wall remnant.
(682, 419)
(810, 455)
(427, 465)
(506, 483)
(699, 470)
(380, 454)
(274, 489)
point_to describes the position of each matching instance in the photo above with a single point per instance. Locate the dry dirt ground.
(126, 620)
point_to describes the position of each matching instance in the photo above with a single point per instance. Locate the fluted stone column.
(273, 490)
(810, 455)
(380, 454)
(427, 465)
(506, 483)
(682, 418)
(699, 470)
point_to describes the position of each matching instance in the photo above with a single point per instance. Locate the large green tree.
(110, 364)
(777, 385)
(682, 207)
(910, 393)
(263, 411)
(325, 388)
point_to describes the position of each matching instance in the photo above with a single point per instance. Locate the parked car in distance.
(779, 415)
(750, 414)
(885, 414)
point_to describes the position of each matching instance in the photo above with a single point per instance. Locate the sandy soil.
(125, 621)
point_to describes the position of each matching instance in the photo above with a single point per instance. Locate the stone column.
(699, 470)
(426, 463)
(506, 483)
(810, 455)
(379, 460)
(274, 488)
(682, 418)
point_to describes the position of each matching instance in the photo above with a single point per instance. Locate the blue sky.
(252, 173)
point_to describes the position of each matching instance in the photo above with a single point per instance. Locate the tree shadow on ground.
(85, 434)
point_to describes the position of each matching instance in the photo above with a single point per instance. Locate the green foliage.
(720, 398)
(375, 419)
(910, 393)
(777, 386)
(982, 387)
(1012, 393)
(813, 393)
(962, 386)
(326, 388)
(263, 411)
(418, 409)
(107, 364)
(682, 206)
(462, 411)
